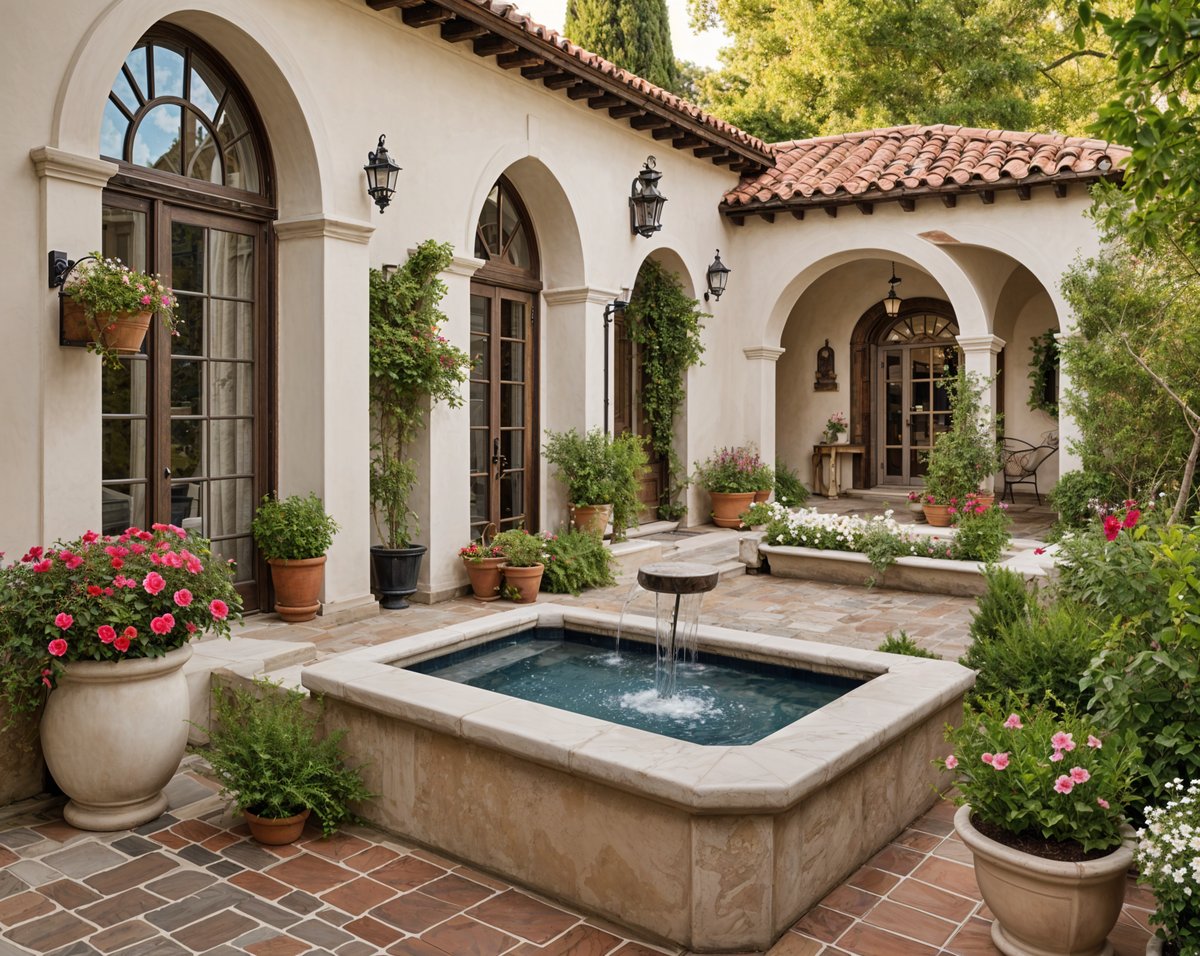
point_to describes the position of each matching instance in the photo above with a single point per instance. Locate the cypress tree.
(634, 34)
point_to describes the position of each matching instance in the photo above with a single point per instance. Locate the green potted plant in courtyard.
(293, 534)
(524, 557)
(97, 629)
(267, 752)
(412, 366)
(731, 478)
(485, 568)
(1041, 798)
(964, 456)
(602, 475)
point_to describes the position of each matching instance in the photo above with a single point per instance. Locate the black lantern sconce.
(891, 304)
(718, 275)
(381, 175)
(645, 201)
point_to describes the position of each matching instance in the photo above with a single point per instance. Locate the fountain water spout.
(675, 631)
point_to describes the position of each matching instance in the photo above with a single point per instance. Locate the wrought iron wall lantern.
(381, 175)
(718, 275)
(891, 303)
(645, 201)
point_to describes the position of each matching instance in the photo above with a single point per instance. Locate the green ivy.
(666, 325)
(1042, 366)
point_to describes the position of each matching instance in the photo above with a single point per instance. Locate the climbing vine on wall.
(1043, 374)
(666, 324)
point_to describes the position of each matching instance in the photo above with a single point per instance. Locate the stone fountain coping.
(768, 776)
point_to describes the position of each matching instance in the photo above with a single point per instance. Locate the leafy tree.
(634, 34)
(800, 68)
(1155, 112)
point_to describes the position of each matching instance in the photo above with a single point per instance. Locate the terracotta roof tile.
(883, 164)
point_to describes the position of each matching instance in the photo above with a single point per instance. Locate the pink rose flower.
(43, 566)
(219, 609)
(191, 628)
(129, 632)
(951, 762)
(1013, 722)
(1064, 784)
(1061, 741)
(63, 620)
(121, 643)
(1094, 742)
(1000, 761)
(1080, 775)
(153, 582)
(72, 561)
(1102, 803)
(162, 624)
(183, 597)
(193, 564)
(106, 633)
(57, 647)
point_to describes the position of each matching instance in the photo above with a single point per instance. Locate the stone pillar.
(979, 356)
(1068, 428)
(759, 396)
(323, 424)
(442, 450)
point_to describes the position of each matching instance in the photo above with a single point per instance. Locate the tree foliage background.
(634, 34)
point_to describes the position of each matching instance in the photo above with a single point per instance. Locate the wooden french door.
(185, 423)
(915, 407)
(503, 409)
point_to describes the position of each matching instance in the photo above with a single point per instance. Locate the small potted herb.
(110, 306)
(265, 749)
(484, 564)
(293, 534)
(525, 555)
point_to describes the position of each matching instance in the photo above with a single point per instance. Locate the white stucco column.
(62, 385)
(442, 499)
(1068, 428)
(759, 397)
(979, 356)
(572, 383)
(324, 426)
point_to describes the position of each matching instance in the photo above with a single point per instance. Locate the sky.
(699, 48)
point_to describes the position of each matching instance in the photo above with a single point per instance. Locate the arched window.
(174, 110)
(502, 237)
(921, 327)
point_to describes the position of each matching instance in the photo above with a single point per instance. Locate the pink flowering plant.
(1031, 771)
(477, 551)
(731, 471)
(106, 598)
(106, 287)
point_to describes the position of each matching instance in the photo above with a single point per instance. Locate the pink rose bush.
(107, 598)
(1020, 769)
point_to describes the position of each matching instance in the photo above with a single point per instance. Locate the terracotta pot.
(1047, 907)
(938, 515)
(762, 495)
(276, 831)
(591, 517)
(728, 507)
(297, 587)
(917, 510)
(396, 571)
(124, 332)
(113, 734)
(485, 577)
(986, 500)
(528, 581)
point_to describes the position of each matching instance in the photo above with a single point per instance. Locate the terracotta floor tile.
(824, 924)
(478, 876)
(124, 906)
(358, 895)
(197, 831)
(123, 935)
(1128, 939)
(172, 841)
(948, 875)
(214, 930)
(463, 936)
(58, 830)
(896, 859)
(864, 940)
(371, 858)
(50, 932)
(414, 912)
(581, 940)
(454, 889)
(430, 857)
(974, 939)
(68, 894)
(793, 944)
(373, 931)
(916, 840)
(310, 873)
(873, 881)
(281, 945)
(407, 873)
(220, 841)
(930, 899)
(260, 885)
(907, 921)
(953, 848)
(7, 856)
(130, 874)
(523, 916)
(24, 906)
(637, 949)
(848, 900)
(413, 946)
(337, 847)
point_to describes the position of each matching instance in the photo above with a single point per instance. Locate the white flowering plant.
(1038, 772)
(1168, 861)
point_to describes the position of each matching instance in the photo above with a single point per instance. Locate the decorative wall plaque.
(826, 376)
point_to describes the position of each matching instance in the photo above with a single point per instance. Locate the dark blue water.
(718, 700)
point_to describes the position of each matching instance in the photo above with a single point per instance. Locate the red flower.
(1039, 550)
(43, 566)
(117, 564)
(90, 536)
(93, 590)
(183, 597)
(57, 647)
(219, 609)
(1112, 527)
(63, 620)
(129, 632)
(191, 628)
(1131, 518)
(153, 582)
(72, 561)
(106, 633)
(162, 624)
(121, 643)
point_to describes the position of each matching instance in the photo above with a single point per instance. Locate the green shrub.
(629, 461)
(1076, 494)
(577, 560)
(1007, 599)
(265, 750)
(521, 549)
(789, 489)
(293, 528)
(981, 532)
(599, 470)
(901, 643)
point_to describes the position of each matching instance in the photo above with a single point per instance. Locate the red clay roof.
(596, 62)
(893, 163)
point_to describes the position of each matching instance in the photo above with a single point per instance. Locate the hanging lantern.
(718, 275)
(645, 201)
(891, 304)
(381, 175)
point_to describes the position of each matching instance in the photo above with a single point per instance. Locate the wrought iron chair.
(1022, 460)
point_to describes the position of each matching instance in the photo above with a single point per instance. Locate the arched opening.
(504, 374)
(186, 423)
(898, 399)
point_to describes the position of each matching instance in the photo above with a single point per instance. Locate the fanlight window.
(170, 109)
(921, 327)
(502, 236)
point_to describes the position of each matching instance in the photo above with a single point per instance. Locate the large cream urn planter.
(113, 734)
(1047, 907)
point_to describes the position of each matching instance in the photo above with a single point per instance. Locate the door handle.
(499, 461)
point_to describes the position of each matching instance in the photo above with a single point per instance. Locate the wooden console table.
(829, 486)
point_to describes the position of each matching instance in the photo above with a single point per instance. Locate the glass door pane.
(894, 405)
(513, 422)
(481, 413)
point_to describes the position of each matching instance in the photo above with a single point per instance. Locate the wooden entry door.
(185, 422)
(503, 403)
(914, 408)
(629, 383)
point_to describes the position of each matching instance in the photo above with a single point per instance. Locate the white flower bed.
(809, 528)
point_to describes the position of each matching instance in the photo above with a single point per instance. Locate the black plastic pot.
(395, 572)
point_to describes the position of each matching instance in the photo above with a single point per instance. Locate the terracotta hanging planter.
(727, 507)
(120, 332)
(527, 581)
(276, 831)
(938, 515)
(485, 575)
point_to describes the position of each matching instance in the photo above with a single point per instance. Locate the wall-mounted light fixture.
(381, 175)
(891, 304)
(645, 201)
(616, 305)
(718, 275)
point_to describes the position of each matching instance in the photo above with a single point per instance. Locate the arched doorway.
(504, 346)
(187, 423)
(899, 402)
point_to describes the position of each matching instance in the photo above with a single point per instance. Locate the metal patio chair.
(1021, 460)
